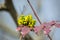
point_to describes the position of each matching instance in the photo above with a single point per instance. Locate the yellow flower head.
(26, 20)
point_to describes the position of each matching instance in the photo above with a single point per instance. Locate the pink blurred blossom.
(44, 26)
(52, 23)
(46, 31)
(18, 28)
(57, 25)
(37, 29)
(25, 31)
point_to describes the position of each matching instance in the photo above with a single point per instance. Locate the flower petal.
(52, 23)
(46, 24)
(37, 29)
(46, 31)
(18, 28)
(57, 25)
(25, 31)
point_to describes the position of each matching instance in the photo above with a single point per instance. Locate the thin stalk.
(49, 37)
(34, 11)
(21, 36)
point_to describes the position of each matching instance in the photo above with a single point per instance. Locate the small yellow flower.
(21, 17)
(33, 22)
(26, 20)
(25, 23)
(30, 16)
(19, 22)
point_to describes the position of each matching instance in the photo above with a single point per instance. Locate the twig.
(37, 16)
(20, 36)
(34, 11)
(49, 37)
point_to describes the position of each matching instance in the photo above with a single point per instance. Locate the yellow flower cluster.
(26, 20)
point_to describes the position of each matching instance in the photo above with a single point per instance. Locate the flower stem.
(34, 11)
(20, 36)
(49, 37)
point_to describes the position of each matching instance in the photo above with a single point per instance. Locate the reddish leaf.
(57, 25)
(52, 23)
(46, 31)
(25, 31)
(46, 24)
(37, 29)
(18, 28)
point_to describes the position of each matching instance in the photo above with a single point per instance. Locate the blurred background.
(47, 10)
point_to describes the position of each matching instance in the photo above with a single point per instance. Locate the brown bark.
(10, 8)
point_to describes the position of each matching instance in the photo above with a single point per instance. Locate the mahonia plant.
(26, 21)
(27, 24)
